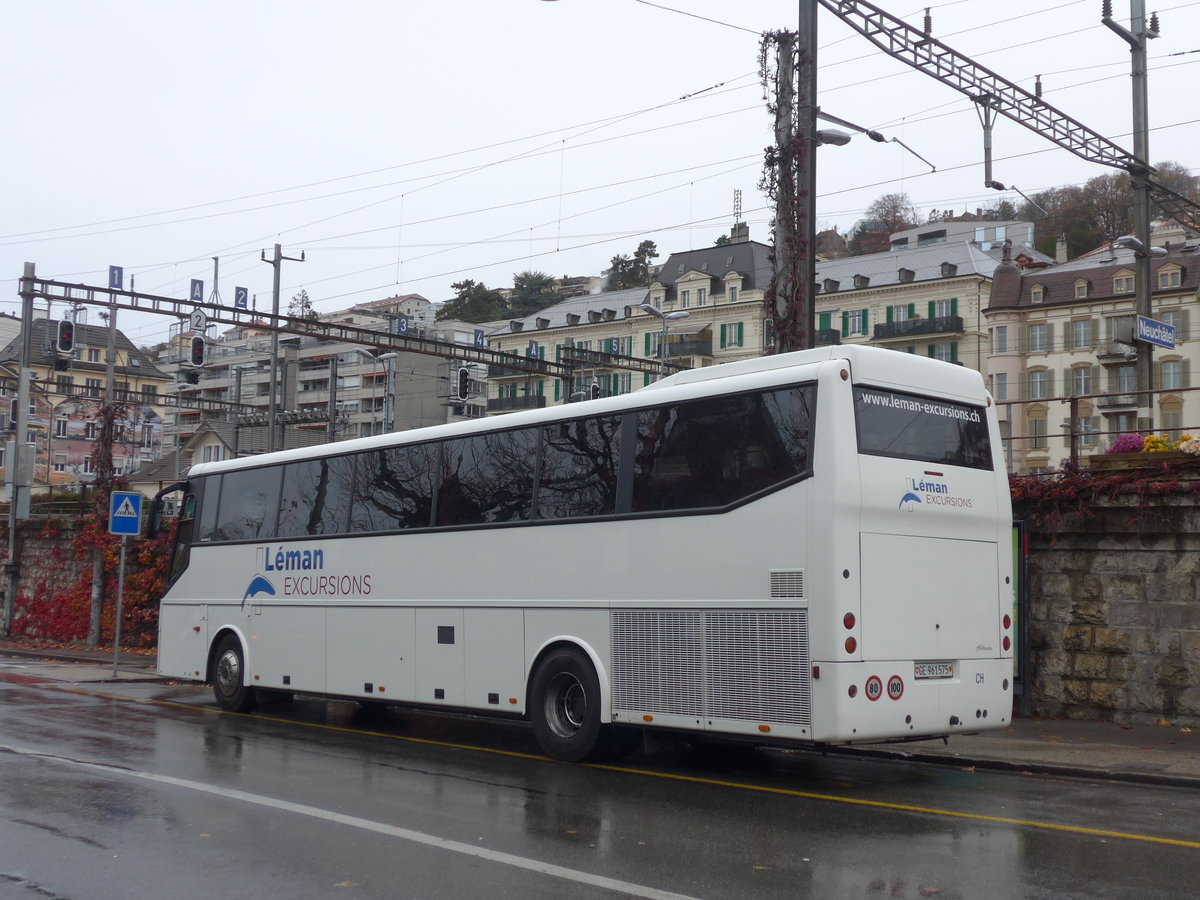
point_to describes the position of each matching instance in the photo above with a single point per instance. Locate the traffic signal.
(595, 390)
(196, 355)
(464, 383)
(12, 413)
(66, 336)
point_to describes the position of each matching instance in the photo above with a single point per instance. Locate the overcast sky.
(407, 145)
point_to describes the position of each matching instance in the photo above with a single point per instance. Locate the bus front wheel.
(229, 677)
(565, 706)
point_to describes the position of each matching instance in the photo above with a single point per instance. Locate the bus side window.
(487, 478)
(580, 468)
(206, 491)
(393, 488)
(184, 530)
(249, 504)
(317, 495)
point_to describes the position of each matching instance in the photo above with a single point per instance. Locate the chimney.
(739, 233)
(1060, 248)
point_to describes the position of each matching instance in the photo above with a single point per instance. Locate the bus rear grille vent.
(787, 584)
(750, 665)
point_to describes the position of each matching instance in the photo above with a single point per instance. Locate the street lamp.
(667, 319)
(1129, 242)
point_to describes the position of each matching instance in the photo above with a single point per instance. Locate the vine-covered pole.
(789, 180)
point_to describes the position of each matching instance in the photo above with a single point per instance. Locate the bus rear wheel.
(229, 677)
(565, 707)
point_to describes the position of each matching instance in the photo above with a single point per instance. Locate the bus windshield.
(908, 426)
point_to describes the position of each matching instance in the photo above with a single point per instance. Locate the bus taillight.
(1007, 621)
(851, 644)
(848, 621)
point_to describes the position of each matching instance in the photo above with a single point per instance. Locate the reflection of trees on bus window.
(487, 478)
(394, 488)
(702, 454)
(317, 496)
(712, 452)
(580, 468)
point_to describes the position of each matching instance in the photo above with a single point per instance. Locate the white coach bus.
(812, 547)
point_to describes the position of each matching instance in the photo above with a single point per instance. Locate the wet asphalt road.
(147, 791)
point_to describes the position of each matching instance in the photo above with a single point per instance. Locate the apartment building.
(715, 293)
(1066, 333)
(927, 299)
(66, 399)
(370, 392)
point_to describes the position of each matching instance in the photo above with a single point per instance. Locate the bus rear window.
(907, 426)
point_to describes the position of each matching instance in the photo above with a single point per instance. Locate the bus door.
(928, 540)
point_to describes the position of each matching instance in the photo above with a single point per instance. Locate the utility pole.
(331, 433)
(1140, 175)
(795, 183)
(20, 493)
(274, 380)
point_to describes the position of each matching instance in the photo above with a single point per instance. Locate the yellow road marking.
(689, 779)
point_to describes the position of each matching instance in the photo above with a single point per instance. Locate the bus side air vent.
(787, 584)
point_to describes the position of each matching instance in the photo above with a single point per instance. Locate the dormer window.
(543, 324)
(1081, 290)
(572, 318)
(516, 325)
(861, 281)
(831, 285)
(949, 270)
(1170, 277)
(1037, 294)
(1123, 283)
(906, 275)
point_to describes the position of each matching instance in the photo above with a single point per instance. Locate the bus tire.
(565, 706)
(229, 677)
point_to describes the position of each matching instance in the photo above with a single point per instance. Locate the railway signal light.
(595, 390)
(464, 383)
(66, 336)
(197, 352)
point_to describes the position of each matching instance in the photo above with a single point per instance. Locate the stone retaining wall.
(1115, 614)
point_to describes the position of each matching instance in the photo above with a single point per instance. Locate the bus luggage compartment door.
(928, 598)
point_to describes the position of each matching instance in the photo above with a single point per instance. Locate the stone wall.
(1114, 628)
(46, 555)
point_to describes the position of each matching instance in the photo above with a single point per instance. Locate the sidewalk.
(1152, 754)
(1167, 754)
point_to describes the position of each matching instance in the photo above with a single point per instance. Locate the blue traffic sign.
(401, 324)
(479, 339)
(241, 298)
(116, 274)
(1153, 332)
(125, 513)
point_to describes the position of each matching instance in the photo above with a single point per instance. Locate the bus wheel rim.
(229, 672)
(566, 704)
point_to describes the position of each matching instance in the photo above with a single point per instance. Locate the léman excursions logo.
(931, 489)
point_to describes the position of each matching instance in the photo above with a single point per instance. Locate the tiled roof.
(556, 315)
(924, 262)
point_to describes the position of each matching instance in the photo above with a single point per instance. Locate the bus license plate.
(925, 670)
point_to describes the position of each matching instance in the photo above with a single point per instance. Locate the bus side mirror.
(154, 524)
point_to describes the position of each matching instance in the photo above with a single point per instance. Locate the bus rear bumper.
(890, 700)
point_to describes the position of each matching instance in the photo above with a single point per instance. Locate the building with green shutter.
(928, 299)
(720, 288)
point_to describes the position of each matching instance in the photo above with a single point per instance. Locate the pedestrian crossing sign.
(125, 513)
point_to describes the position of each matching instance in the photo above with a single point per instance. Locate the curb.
(1023, 767)
(100, 659)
